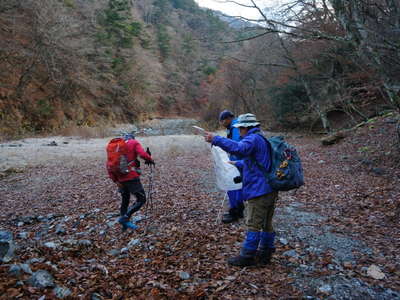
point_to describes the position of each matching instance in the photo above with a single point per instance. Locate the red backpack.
(117, 162)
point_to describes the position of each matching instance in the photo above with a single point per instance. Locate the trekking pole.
(222, 205)
(149, 202)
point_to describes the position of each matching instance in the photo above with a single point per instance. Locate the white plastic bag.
(224, 171)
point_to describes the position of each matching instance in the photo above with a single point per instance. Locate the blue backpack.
(286, 172)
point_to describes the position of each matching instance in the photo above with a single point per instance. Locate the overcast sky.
(236, 10)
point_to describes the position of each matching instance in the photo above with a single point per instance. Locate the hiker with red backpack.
(123, 168)
(267, 166)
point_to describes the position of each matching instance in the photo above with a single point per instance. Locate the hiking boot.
(264, 256)
(230, 217)
(245, 259)
(124, 221)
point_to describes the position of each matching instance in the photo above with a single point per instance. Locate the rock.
(332, 139)
(26, 268)
(114, 252)
(51, 245)
(53, 266)
(102, 232)
(41, 218)
(52, 144)
(85, 243)
(133, 242)
(325, 289)
(291, 253)
(321, 161)
(184, 275)
(378, 171)
(112, 223)
(60, 229)
(70, 242)
(41, 279)
(20, 224)
(7, 246)
(375, 272)
(15, 270)
(124, 250)
(138, 218)
(61, 292)
(35, 260)
(283, 241)
(23, 235)
(96, 296)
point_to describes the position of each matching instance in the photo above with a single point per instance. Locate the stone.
(96, 296)
(85, 243)
(60, 229)
(378, 171)
(51, 245)
(184, 275)
(133, 242)
(15, 270)
(291, 253)
(112, 223)
(70, 242)
(35, 260)
(114, 252)
(41, 279)
(7, 246)
(283, 241)
(26, 268)
(41, 218)
(375, 272)
(325, 289)
(61, 292)
(23, 235)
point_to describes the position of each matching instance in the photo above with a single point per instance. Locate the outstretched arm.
(242, 148)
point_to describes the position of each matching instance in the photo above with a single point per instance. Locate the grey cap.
(246, 120)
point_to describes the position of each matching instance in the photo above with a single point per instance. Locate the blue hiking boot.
(248, 252)
(266, 248)
(124, 221)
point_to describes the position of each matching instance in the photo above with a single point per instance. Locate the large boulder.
(7, 246)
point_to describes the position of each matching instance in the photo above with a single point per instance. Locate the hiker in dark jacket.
(130, 183)
(259, 197)
(236, 206)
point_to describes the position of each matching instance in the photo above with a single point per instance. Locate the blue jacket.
(233, 134)
(251, 145)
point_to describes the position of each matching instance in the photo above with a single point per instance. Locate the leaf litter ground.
(180, 251)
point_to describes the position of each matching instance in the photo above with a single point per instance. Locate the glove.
(237, 179)
(150, 162)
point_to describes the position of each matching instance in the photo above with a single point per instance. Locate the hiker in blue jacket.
(259, 197)
(236, 206)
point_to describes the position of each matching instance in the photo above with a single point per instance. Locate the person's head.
(225, 118)
(246, 122)
(129, 136)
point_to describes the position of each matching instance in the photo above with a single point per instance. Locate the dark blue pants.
(235, 198)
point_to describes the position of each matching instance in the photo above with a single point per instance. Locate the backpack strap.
(258, 164)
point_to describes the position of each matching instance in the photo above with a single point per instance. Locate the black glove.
(150, 162)
(237, 179)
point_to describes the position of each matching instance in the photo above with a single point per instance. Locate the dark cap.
(225, 115)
